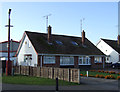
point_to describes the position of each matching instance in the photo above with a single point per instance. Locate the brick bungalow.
(51, 50)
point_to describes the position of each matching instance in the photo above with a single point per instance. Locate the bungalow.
(4, 50)
(4, 53)
(111, 48)
(51, 50)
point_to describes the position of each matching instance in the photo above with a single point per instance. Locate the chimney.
(49, 34)
(83, 37)
(118, 40)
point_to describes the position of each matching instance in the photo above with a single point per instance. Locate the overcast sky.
(101, 19)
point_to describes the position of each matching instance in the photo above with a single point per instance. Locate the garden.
(101, 74)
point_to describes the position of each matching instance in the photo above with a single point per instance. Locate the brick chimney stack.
(83, 37)
(118, 40)
(49, 33)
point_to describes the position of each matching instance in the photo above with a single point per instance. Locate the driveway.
(87, 84)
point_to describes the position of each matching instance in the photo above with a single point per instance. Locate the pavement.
(88, 84)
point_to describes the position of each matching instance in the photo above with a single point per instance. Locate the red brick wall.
(57, 62)
(76, 62)
(97, 65)
(39, 60)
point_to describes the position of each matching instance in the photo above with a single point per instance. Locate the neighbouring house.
(111, 48)
(51, 50)
(4, 52)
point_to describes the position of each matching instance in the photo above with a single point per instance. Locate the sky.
(100, 19)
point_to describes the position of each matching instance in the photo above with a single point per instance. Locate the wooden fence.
(67, 74)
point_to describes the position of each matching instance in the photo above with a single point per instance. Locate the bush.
(102, 71)
(101, 76)
(81, 74)
(112, 77)
(99, 70)
(119, 73)
(111, 72)
(97, 76)
(118, 77)
(109, 77)
(106, 72)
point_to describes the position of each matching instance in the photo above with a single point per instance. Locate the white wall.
(27, 49)
(109, 51)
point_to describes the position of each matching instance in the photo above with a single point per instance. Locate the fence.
(67, 74)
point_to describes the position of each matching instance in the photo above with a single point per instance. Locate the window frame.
(99, 59)
(86, 58)
(49, 59)
(68, 57)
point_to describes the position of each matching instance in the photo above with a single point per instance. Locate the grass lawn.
(91, 73)
(18, 79)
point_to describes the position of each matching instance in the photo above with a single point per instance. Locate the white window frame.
(49, 60)
(68, 57)
(82, 58)
(28, 58)
(98, 60)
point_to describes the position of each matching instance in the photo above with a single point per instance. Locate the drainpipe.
(41, 61)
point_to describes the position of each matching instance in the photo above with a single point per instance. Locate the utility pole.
(47, 20)
(8, 63)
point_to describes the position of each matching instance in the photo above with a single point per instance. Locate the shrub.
(101, 76)
(97, 76)
(102, 71)
(119, 73)
(111, 72)
(107, 77)
(99, 70)
(106, 72)
(112, 77)
(118, 77)
(81, 74)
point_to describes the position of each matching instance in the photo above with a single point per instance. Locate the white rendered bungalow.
(46, 49)
(111, 48)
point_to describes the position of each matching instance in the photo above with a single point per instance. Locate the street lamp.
(8, 63)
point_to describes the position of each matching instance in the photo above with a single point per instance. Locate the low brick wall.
(67, 74)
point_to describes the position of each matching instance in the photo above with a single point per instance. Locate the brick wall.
(57, 63)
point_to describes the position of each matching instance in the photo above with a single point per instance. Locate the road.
(88, 84)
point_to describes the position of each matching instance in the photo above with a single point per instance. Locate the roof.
(113, 44)
(10, 40)
(41, 45)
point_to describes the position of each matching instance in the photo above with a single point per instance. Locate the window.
(28, 58)
(74, 43)
(83, 60)
(59, 42)
(98, 60)
(66, 60)
(49, 59)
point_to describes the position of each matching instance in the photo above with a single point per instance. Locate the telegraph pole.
(8, 63)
